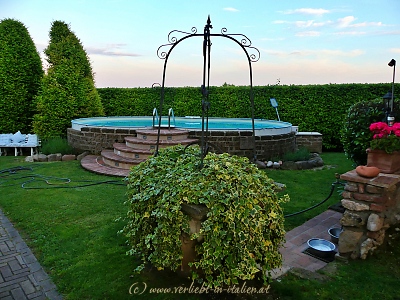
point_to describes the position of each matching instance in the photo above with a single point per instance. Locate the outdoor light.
(387, 98)
(392, 63)
(390, 95)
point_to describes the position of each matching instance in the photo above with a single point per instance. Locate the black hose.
(49, 180)
(318, 204)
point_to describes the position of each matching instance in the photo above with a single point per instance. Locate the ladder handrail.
(155, 114)
(170, 112)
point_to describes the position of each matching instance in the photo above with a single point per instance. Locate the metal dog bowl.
(334, 232)
(321, 247)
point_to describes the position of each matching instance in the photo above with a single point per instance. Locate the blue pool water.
(192, 123)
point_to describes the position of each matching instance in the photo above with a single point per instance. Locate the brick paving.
(296, 242)
(21, 276)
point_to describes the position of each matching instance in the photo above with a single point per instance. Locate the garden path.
(21, 275)
(296, 242)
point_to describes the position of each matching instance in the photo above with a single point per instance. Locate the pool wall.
(95, 139)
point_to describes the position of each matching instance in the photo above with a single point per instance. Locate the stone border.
(55, 157)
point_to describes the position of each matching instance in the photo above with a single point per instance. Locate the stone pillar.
(372, 206)
(198, 213)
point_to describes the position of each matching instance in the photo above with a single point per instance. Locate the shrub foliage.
(244, 226)
(355, 134)
(67, 90)
(20, 75)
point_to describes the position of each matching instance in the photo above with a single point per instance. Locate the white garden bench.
(18, 141)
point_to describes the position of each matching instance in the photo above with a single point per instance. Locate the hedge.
(320, 108)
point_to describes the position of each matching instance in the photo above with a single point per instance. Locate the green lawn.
(71, 229)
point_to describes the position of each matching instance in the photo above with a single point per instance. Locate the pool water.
(192, 123)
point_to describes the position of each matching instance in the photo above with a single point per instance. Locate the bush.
(20, 75)
(56, 145)
(299, 155)
(355, 134)
(67, 90)
(244, 226)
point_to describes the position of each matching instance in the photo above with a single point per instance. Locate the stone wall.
(310, 140)
(372, 206)
(94, 139)
(241, 143)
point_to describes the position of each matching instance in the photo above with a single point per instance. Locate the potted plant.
(384, 151)
(243, 230)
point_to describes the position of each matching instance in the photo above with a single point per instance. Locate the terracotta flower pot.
(387, 163)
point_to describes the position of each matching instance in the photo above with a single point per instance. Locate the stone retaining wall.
(95, 139)
(241, 143)
(310, 140)
(372, 206)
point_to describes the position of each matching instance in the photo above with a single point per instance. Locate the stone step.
(95, 163)
(117, 162)
(137, 143)
(113, 160)
(123, 150)
(165, 134)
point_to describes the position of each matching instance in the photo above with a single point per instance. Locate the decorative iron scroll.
(173, 40)
(244, 41)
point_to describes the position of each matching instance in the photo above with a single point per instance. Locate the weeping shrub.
(244, 227)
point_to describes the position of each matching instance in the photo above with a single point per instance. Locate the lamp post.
(392, 63)
(387, 98)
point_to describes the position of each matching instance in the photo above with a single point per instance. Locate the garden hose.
(333, 185)
(51, 181)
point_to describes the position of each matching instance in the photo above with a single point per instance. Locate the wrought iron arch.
(243, 41)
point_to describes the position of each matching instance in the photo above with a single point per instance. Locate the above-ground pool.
(235, 136)
(262, 127)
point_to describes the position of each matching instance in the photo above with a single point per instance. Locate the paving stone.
(28, 287)
(18, 293)
(18, 266)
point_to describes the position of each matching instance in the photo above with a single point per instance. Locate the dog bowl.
(321, 247)
(334, 232)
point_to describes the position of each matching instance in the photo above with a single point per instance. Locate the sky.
(300, 42)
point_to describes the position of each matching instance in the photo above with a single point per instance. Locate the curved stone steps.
(95, 164)
(165, 134)
(116, 161)
(129, 152)
(138, 143)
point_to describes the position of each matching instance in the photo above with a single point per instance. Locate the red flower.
(381, 129)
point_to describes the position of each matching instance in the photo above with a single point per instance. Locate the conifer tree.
(67, 91)
(20, 74)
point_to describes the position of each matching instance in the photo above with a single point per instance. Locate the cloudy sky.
(300, 41)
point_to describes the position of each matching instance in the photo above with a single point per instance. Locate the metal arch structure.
(243, 41)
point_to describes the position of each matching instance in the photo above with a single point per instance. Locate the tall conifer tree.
(67, 91)
(20, 74)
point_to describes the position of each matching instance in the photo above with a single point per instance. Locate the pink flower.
(397, 132)
(380, 129)
(396, 127)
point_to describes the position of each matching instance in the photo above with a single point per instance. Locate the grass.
(309, 187)
(301, 154)
(56, 145)
(71, 229)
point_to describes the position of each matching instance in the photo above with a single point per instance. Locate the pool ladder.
(156, 116)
